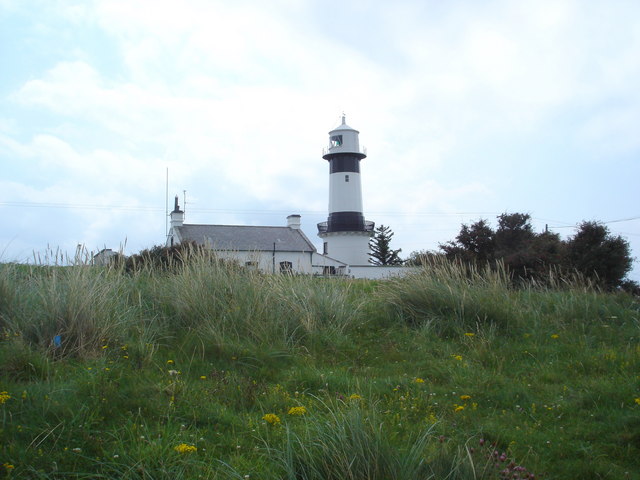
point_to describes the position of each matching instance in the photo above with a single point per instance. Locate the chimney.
(293, 221)
(177, 216)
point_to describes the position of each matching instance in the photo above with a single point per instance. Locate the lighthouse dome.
(343, 126)
(343, 139)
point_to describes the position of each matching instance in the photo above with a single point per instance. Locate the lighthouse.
(346, 233)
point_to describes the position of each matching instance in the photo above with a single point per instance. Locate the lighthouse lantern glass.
(336, 140)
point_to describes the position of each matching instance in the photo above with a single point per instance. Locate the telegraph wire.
(620, 220)
(88, 206)
(143, 208)
(80, 206)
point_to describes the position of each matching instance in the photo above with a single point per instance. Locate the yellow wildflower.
(458, 408)
(170, 362)
(184, 448)
(555, 335)
(465, 397)
(418, 380)
(4, 396)
(469, 334)
(299, 411)
(271, 418)
(202, 377)
(637, 400)
(8, 467)
(355, 396)
(457, 357)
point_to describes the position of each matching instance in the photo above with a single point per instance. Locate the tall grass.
(227, 303)
(71, 310)
(8, 293)
(450, 297)
(351, 444)
(78, 309)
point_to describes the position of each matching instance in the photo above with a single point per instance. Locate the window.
(329, 270)
(346, 178)
(286, 268)
(336, 140)
(325, 248)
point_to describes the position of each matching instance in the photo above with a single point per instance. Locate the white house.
(103, 257)
(266, 248)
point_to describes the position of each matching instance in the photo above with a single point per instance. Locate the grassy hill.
(210, 371)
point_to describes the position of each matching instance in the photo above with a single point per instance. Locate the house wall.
(269, 262)
(172, 238)
(377, 273)
(103, 257)
(325, 265)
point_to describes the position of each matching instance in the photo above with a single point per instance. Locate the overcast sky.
(468, 109)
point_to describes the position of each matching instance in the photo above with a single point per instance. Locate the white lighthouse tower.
(345, 234)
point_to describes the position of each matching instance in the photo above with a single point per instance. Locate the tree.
(598, 255)
(528, 255)
(523, 252)
(514, 233)
(381, 252)
(592, 251)
(474, 243)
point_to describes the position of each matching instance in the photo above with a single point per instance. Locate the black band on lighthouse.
(345, 163)
(345, 222)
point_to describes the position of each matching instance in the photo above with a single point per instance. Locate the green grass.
(447, 374)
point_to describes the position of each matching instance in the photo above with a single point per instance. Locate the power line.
(620, 220)
(144, 208)
(89, 206)
(79, 206)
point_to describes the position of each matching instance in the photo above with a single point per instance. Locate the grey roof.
(343, 126)
(246, 238)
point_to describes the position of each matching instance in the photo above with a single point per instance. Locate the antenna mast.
(166, 206)
(184, 202)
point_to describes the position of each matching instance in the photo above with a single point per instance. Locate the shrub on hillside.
(165, 258)
(593, 252)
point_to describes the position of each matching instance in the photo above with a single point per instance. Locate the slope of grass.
(202, 373)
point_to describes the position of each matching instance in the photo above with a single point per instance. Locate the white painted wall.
(348, 247)
(379, 273)
(265, 261)
(177, 219)
(345, 196)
